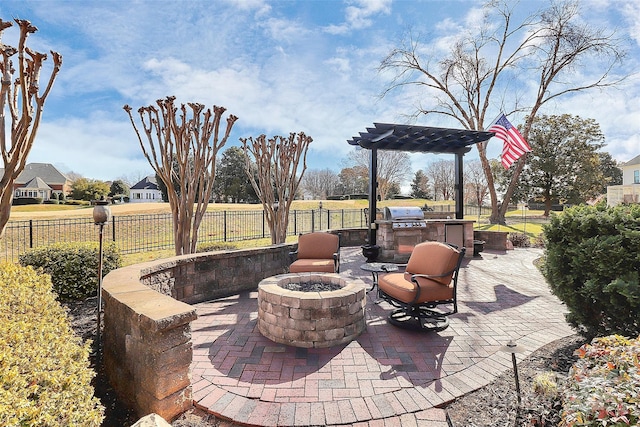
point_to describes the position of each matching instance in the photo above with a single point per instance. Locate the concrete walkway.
(388, 376)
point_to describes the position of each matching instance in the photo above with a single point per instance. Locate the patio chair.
(317, 252)
(429, 280)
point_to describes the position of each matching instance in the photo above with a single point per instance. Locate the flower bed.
(604, 385)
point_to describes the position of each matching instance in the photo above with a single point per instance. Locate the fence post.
(30, 234)
(113, 227)
(224, 226)
(263, 221)
(295, 222)
(313, 220)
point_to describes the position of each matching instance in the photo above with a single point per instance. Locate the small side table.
(378, 267)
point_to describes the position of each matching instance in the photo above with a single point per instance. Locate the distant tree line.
(566, 165)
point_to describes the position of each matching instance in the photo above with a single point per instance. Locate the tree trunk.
(502, 212)
(6, 197)
(547, 202)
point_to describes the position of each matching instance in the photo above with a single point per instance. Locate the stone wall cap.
(151, 420)
(161, 311)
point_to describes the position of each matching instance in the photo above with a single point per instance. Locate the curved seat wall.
(147, 334)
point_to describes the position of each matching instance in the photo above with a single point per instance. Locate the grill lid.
(403, 213)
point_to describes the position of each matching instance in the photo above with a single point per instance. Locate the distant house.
(40, 180)
(629, 191)
(145, 191)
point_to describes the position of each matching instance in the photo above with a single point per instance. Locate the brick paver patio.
(387, 376)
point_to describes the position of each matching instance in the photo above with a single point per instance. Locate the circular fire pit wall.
(311, 319)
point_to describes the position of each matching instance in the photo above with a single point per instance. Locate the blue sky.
(280, 66)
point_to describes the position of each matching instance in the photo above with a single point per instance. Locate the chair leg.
(419, 318)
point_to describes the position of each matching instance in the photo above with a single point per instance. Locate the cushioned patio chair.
(430, 280)
(317, 252)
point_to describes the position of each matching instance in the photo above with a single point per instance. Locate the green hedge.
(45, 379)
(592, 264)
(21, 201)
(215, 246)
(73, 267)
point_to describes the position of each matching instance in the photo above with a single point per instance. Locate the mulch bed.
(494, 405)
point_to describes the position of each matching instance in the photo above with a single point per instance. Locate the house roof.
(421, 139)
(634, 161)
(37, 183)
(45, 171)
(148, 183)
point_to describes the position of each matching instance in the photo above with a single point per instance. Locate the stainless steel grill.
(405, 217)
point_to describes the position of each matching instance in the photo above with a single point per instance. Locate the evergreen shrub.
(216, 246)
(73, 267)
(45, 379)
(592, 264)
(22, 201)
(519, 240)
(77, 202)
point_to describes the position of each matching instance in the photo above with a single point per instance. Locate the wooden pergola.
(416, 139)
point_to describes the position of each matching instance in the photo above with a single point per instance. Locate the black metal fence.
(148, 232)
(151, 232)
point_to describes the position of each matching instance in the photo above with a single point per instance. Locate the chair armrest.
(432, 276)
(293, 255)
(401, 267)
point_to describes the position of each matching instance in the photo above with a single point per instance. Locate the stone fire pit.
(310, 318)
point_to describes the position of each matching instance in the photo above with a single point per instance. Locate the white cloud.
(284, 29)
(359, 15)
(95, 147)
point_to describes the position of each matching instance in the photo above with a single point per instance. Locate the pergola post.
(459, 185)
(373, 194)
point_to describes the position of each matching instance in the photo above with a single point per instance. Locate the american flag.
(514, 144)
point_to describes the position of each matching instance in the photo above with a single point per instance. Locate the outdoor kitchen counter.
(396, 243)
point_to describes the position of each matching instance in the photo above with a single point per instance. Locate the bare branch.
(20, 96)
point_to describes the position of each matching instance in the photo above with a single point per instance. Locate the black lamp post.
(514, 348)
(101, 215)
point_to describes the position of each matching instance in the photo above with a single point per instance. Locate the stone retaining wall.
(147, 345)
(207, 276)
(147, 333)
(496, 240)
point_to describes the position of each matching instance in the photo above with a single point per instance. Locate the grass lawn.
(531, 224)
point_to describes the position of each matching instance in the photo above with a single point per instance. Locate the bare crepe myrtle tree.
(181, 145)
(394, 167)
(489, 68)
(276, 161)
(21, 97)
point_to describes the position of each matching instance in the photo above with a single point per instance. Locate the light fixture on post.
(514, 348)
(101, 215)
